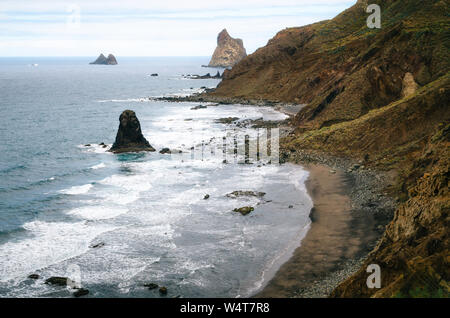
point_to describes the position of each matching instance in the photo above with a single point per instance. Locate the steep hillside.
(341, 68)
(412, 137)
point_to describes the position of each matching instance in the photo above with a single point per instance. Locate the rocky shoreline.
(368, 200)
(367, 193)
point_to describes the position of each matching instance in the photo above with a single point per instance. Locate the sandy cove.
(338, 240)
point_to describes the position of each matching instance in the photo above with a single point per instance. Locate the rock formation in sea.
(229, 51)
(102, 60)
(206, 76)
(129, 136)
(379, 96)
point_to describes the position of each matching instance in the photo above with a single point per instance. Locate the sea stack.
(129, 136)
(229, 51)
(102, 60)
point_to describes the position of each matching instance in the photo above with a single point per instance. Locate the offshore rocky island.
(378, 101)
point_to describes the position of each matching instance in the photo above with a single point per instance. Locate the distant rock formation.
(206, 76)
(129, 136)
(102, 60)
(229, 51)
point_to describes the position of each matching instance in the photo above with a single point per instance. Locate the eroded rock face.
(110, 60)
(409, 85)
(129, 136)
(229, 51)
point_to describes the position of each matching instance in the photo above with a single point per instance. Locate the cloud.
(148, 28)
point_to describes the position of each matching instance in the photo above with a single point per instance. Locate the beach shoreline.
(350, 212)
(341, 235)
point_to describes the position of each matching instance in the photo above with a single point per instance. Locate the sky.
(149, 28)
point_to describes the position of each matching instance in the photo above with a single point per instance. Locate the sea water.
(61, 193)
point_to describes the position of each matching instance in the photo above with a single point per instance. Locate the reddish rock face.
(129, 136)
(229, 51)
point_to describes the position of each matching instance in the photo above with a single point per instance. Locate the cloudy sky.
(148, 28)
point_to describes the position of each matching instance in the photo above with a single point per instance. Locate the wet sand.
(338, 234)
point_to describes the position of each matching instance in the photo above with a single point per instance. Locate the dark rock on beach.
(165, 151)
(227, 120)
(55, 280)
(163, 290)
(102, 60)
(151, 286)
(244, 210)
(98, 245)
(33, 276)
(129, 136)
(199, 107)
(80, 292)
(236, 194)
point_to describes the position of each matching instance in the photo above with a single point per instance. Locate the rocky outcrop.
(229, 51)
(409, 85)
(102, 60)
(129, 136)
(55, 280)
(206, 76)
(244, 210)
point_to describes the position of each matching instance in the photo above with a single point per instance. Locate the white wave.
(96, 148)
(127, 100)
(77, 189)
(99, 166)
(50, 243)
(98, 212)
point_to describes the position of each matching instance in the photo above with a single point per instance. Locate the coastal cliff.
(381, 97)
(229, 51)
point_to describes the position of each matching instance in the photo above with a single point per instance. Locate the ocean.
(62, 193)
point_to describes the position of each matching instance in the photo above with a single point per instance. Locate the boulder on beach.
(237, 194)
(151, 286)
(165, 151)
(102, 60)
(129, 136)
(81, 292)
(55, 280)
(163, 290)
(244, 210)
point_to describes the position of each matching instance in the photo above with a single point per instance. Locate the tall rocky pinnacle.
(129, 136)
(110, 60)
(229, 51)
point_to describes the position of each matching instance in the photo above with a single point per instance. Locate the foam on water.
(99, 166)
(77, 189)
(102, 212)
(47, 243)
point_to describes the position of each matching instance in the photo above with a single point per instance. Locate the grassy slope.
(351, 79)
